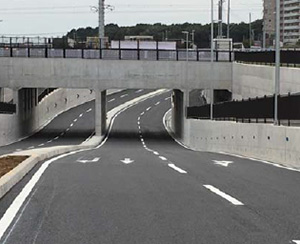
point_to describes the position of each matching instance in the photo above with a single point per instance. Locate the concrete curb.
(38, 155)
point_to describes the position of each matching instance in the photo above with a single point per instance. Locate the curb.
(37, 155)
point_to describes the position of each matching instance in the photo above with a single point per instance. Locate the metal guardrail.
(251, 109)
(117, 54)
(288, 57)
(7, 108)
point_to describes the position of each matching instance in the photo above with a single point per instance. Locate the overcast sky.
(56, 17)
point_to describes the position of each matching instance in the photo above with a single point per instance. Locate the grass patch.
(9, 163)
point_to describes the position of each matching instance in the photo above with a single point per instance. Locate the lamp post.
(187, 44)
(212, 61)
(101, 22)
(277, 67)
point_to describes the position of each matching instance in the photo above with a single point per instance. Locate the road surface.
(143, 187)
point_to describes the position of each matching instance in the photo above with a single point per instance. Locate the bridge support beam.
(100, 112)
(179, 112)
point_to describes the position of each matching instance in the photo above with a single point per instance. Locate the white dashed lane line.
(112, 100)
(181, 171)
(156, 104)
(148, 108)
(166, 99)
(224, 195)
(125, 95)
(163, 158)
(89, 110)
(139, 91)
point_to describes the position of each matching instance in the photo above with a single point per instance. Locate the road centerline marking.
(181, 171)
(224, 195)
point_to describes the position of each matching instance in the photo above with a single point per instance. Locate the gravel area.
(9, 163)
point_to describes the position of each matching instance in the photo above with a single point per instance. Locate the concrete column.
(100, 112)
(16, 99)
(1, 94)
(179, 112)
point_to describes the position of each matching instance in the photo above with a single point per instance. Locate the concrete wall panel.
(119, 74)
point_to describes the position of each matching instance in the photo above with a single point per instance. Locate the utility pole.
(212, 61)
(277, 66)
(228, 20)
(250, 31)
(220, 30)
(101, 22)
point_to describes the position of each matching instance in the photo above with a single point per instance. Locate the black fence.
(7, 108)
(288, 57)
(252, 109)
(117, 54)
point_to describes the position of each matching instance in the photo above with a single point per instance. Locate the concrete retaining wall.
(250, 80)
(13, 128)
(276, 144)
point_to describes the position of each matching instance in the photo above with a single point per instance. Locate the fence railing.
(7, 108)
(288, 57)
(256, 109)
(117, 54)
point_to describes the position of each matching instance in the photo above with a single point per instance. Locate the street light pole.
(212, 61)
(101, 22)
(187, 44)
(277, 67)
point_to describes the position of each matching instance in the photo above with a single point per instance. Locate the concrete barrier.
(278, 144)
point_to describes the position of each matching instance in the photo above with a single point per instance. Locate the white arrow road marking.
(181, 171)
(223, 163)
(127, 161)
(224, 195)
(95, 160)
(297, 242)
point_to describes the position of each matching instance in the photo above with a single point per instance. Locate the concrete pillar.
(179, 112)
(1, 94)
(16, 99)
(100, 112)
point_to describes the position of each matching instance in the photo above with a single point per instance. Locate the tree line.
(239, 32)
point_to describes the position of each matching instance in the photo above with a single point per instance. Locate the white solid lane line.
(125, 95)
(112, 100)
(224, 195)
(181, 171)
(14, 208)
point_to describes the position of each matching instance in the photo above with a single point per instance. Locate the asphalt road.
(142, 187)
(72, 127)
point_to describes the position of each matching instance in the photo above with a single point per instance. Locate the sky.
(57, 17)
